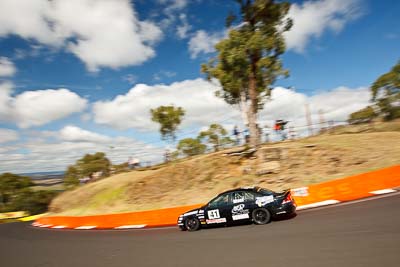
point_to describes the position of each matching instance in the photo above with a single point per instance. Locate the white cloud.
(36, 108)
(313, 18)
(197, 97)
(132, 110)
(101, 33)
(172, 6)
(6, 100)
(183, 29)
(76, 134)
(108, 32)
(170, 10)
(8, 135)
(28, 20)
(7, 68)
(130, 78)
(203, 42)
(161, 74)
(335, 104)
(43, 154)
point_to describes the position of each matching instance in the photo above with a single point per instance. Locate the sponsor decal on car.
(240, 217)
(190, 213)
(220, 220)
(213, 214)
(238, 208)
(239, 213)
(261, 201)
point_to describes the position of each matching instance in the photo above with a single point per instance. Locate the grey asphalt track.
(360, 234)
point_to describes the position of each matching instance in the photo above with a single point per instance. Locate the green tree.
(10, 186)
(389, 108)
(71, 177)
(169, 118)
(248, 61)
(216, 135)
(363, 115)
(92, 163)
(191, 147)
(87, 166)
(16, 194)
(386, 93)
(34, 202)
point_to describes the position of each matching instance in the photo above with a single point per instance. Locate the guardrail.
(327, 193)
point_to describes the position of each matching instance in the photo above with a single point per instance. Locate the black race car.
(255, 204)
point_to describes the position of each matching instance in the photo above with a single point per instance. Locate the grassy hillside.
(277, 166)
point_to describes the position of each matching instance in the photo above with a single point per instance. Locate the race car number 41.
(213, 214)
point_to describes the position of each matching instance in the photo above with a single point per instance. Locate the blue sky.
(80, 76)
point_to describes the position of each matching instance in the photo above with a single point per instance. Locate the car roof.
(250, 189)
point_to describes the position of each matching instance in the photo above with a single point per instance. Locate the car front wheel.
(261, 216)
(192, 224)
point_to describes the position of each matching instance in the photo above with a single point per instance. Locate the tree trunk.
(244, 107)
(252, 111)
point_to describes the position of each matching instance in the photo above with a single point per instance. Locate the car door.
(241, 207)
(218, 210)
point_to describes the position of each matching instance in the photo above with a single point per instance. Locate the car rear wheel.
(192, 224)
(261, 216)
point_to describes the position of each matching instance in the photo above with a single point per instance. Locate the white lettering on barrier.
(300, 192)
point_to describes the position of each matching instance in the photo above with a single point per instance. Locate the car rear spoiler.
(284, 193)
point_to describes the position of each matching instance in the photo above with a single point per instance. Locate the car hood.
(193, 212)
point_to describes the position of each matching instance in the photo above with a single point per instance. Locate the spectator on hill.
(236, 133)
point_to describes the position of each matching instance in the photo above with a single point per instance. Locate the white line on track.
(137, 226)
(59, 227)
(86, 227)
(383, 191)
(45, 225)
(318, 204)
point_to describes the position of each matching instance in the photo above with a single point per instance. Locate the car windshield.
(220, 200)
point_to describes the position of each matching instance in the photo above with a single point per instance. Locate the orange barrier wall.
(151, 218)
(353, 187)
(345, 189)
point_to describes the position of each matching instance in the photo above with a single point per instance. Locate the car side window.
(238, 197)
(249, 196)
(221, 200)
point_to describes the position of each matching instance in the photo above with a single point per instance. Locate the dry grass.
(196, 180)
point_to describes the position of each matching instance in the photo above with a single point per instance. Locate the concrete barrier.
(350, 188)
(327, 193)
(13, 215)
(131, 220)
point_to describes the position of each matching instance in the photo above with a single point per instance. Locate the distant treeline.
(17, 194)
